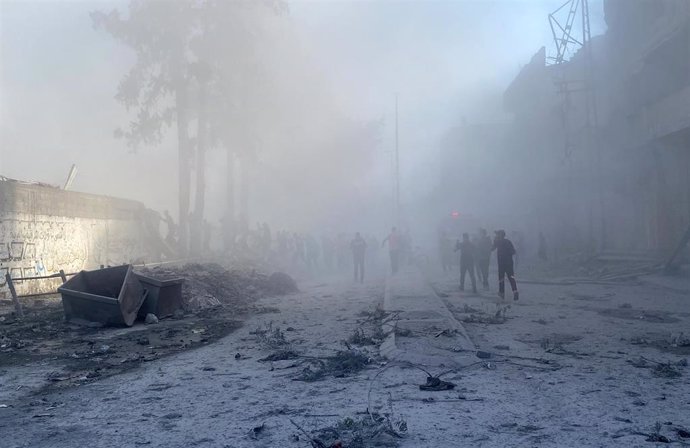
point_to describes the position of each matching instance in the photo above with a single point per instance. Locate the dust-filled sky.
(445, 60)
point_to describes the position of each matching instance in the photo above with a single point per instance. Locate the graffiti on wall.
(33, 246)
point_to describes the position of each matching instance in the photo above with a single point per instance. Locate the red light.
(455, 214)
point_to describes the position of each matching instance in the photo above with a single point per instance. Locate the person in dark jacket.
(504, 255)
(467, 250)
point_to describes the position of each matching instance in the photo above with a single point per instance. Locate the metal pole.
(397, 166)
(15, 299)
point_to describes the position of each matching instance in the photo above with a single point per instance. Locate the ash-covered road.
(594, 365)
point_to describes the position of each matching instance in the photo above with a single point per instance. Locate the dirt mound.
(279, 283)
(210, 285)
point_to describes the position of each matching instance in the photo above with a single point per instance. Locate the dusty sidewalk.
(417, 318)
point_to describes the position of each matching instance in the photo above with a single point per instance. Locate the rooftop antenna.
(562, 31)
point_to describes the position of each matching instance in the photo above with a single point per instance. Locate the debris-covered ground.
(66, 354)
(296, 358)
(62, 354)
(580, 364)
(576, 365)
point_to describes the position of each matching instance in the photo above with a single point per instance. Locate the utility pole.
(397, 166)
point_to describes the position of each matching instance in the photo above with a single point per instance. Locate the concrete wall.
(45, 229)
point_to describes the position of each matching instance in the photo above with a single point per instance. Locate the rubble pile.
(209, 285)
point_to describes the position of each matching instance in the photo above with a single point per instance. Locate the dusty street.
(188, 187)
(582, 365)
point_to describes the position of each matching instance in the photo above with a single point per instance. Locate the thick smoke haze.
(322, 133)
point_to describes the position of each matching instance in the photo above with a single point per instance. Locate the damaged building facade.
(44, 229)
(622, 181)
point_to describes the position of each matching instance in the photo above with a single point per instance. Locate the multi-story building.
(623, 181)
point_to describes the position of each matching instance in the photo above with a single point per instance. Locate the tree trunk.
(184, 168)
(197, 233)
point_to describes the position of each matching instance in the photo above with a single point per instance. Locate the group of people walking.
(476, 255)
(398, 250)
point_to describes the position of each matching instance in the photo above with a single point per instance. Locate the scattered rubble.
(656, 436)
(343, 363)
(434, 383)
(369, 331)
(660, 369)
(666, 371)
(499, 317)
(270, 337)
(555, 344)
(677, 344)
(372, 430)
(378, 314)
(358, 337)
(683, 433)
(679, 340)
(282, 355)
(257, 431)
(481, 354)
(83, 354)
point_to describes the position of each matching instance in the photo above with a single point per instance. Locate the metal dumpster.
(164, 296)
(111, 296)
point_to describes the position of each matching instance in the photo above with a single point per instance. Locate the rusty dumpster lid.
(131, 297)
